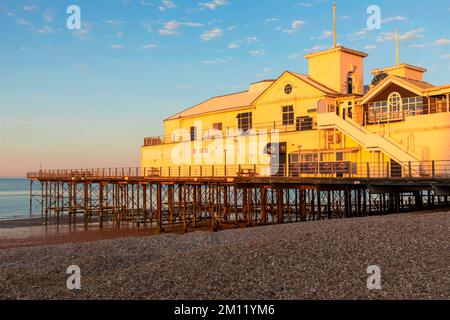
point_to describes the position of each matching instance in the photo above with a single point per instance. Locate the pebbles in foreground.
(314, 260)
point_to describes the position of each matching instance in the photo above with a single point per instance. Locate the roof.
(243, 99)
(220, 103)
(314, 83)
(417, 83)
(399, 66)
(339, 48)
(416, 86)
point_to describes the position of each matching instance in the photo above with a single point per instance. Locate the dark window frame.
(245, 121)
(288, 117)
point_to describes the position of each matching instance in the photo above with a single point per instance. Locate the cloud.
(418, 46)
(316, 48)
(407, 36)
(115, 22)
(217, 61)
(171, 27)
(48, 15)
(265, 72)
(151, 46)
(214, 4)
(391, 19)
(46, 30)
(442, 42)
(295, 26)
(167, 5)
(269, 20)
(184, 86)
(85, 32)
(445, 56)
(29, 8)
(325, 34)
(211, 34)
(147, 25)
(18, 20)
(233, 45)
(370, 47)
(118, 46)
(256, 53)
(304, 4)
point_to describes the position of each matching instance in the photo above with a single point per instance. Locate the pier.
(214, 198)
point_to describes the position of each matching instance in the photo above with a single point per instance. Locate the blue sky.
(87, 98)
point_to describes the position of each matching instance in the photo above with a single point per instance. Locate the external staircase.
(370, 141)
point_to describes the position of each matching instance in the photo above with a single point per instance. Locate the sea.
(14, 199)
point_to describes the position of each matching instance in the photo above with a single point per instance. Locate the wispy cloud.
(407, 36)
(151, 46)
(29, 8)
(18, 20)
(217, 61)
(445, 57)
(115, 22)
(325, 34)
(256, 53)
(295, 26)
(442, 42)
(118, 46)
(167, 5)
(211, 34)
(48, 16)
(214, 4)
(171, 27)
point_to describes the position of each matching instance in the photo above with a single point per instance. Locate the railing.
(340, 169)
(208, 134)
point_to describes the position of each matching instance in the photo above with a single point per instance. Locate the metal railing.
(340, 169)
(208, 134)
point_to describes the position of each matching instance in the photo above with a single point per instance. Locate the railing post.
(201, 171)
(179, 172)
(388, 174)
(368, 169)
(169, 171)
(433, 169)
(212, 173)
(409, 169)
(190, 171)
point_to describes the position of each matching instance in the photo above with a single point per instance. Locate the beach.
(312, 260)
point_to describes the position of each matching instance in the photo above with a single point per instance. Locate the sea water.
(14, 199)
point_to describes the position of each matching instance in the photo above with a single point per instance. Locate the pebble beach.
(313, 260)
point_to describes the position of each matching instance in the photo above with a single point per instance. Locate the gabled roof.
(314, 83)
(416, 86)
(221, 103)
(244, 99)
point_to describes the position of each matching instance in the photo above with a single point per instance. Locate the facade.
(323, 124)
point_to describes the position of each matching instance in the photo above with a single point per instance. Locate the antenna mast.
(334, 24)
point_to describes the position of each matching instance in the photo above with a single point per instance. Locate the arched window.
(395, 105)
(350, 83)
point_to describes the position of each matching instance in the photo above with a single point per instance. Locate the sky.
(86, 98)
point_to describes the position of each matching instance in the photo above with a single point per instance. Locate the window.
(304, 123)
(412, 106)
(350, 83)
(217, 126)
(288, 115)
(193, 133)
(395, 105)
(288, 89)
(245, 122)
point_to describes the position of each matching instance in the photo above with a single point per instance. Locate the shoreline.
(17, 233)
